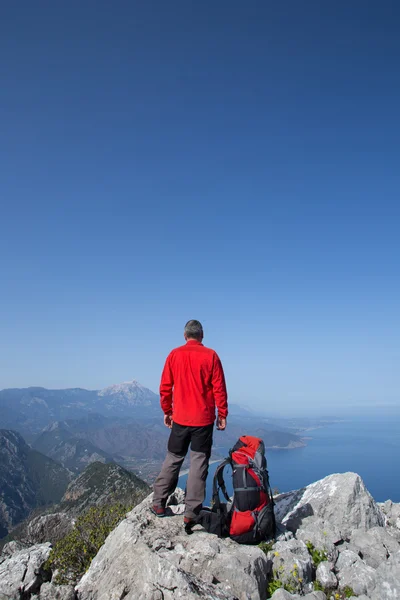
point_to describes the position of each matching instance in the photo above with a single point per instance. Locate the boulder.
(386, 582)
(322, 536)
(347, 558)
(49, 528)
(148, 558)
(10, 548)
(291, 563)
(391, 510)
(282, 594)
(352, 572)
(374, 545)
(22, 573)
(325, 576)
(341, 502)
(393, 532)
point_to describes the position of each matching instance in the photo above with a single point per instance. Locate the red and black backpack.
(250, 518)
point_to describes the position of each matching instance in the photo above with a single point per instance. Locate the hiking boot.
(189, 523)
(159, 511)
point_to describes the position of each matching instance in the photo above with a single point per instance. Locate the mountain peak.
(128, 393)
(124, 387)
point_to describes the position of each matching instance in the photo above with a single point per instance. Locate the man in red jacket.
(192, 385)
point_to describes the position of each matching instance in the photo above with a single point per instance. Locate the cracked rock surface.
(153, 559)
(22, 573)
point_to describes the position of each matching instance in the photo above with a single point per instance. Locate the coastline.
(291, 446)
(215, 460)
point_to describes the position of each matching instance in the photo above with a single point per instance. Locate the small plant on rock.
(318, 556)
(348, 592)
(276, 584)
(266, 546)
(291, 583)
(318, 587)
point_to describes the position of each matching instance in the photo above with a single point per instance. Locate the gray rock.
(12, 547)
(290, 562)
(325, 576)
(393, 532)
(283, 534)
(148, 558)
(374, 545)
(386, 583)
(49, 591)
(341, 501)
(347, 558)
(322, 536)
(22, 573)
(282, 594)
(49, 528)
(178, 497)
(352, 571)
(391, 510)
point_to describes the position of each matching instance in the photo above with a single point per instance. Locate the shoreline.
(186, 471)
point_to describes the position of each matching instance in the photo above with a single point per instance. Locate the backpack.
(250, 519)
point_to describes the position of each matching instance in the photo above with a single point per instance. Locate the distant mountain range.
(66, 442)
(77, 442)
(121, 423)
(30, 410)
(27, 479)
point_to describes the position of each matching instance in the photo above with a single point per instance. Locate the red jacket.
(192, 384)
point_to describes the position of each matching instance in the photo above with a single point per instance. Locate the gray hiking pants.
(200, 441)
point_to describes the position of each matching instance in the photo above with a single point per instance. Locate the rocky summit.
(333, 541)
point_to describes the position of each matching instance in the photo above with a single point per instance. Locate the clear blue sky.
(234, 162)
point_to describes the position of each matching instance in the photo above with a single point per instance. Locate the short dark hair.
(194, 329)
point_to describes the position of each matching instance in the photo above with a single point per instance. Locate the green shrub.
(72, 555)
(318, 587)
(266, 546)
(317, 556)
(276, 584)
(272, 586)
(291, 583)
(346, 592)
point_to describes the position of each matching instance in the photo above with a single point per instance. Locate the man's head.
(193, 331)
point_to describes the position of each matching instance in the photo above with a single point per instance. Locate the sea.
(367, 445)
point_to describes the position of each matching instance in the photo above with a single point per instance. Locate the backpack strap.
(219, 483)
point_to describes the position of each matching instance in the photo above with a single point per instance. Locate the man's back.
(192, 384)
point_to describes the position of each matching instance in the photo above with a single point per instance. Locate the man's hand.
(221, 423)
(168, 421)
